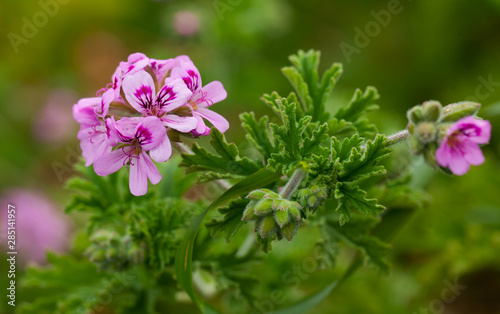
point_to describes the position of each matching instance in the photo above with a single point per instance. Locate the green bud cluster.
(429, 122)
(112, 251)
(312, 197)
(274, 216)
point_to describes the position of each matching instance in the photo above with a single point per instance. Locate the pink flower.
(40, 225)
(135, 139)
(140, 92)
(202, 98)
(92, 134)
(460, 148)
(186, 23)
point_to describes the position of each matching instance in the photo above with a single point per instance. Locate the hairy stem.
(397, 137)
(294, 182)
(186, 150)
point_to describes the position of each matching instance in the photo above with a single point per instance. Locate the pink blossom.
(40, 225)
(460, 148)
(135, 139)
(202, 98)
(92, 134)
(140, 92)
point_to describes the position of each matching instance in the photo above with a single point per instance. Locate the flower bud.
(282, 217)
(267, 226)
(415, 115)
(426, 132)
(290, 230)
(456, 111)
(432, 110)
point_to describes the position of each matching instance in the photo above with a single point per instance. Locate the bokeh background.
(445, 50)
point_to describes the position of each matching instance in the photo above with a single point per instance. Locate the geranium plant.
(312, 166)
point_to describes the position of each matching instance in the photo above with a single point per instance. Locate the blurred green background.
(444, 50)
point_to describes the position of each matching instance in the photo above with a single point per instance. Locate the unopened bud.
(432, 110)
(455, 112)
(426, 132)
(415, 114)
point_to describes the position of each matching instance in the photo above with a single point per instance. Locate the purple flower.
(135, 137)
(140, 92)
(40, 225)
(202, 98)
(460, 148)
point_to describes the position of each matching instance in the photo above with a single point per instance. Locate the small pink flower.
(135, 139)
(460, 148)
(202, 98)
(186, 23)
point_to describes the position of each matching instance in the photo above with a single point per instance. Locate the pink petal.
(181, 124)
(458, 165)
(218, 121)
(173, 95)
(150, 132)
(138, 89)
(472, 153)
(111, 162)
(140, 170)
(443, 154)
(210, 94)
(106, 100)
(189, 74)
(162, 152)
(83, 112)
(485, 132)
(93, 145)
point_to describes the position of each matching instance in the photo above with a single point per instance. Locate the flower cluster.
(130, 122)
(448, 136)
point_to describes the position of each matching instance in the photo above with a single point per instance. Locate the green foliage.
(352, 197)
(157, 225)
(72, 286)
(232, 220)
(312, 91)
(295, 139)
(257, 133)
(226, 164)
(357, 233)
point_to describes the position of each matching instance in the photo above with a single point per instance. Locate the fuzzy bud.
(432, 110)
(426, 132)
(455, 112)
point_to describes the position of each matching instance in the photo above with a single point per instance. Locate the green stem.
(291, 186)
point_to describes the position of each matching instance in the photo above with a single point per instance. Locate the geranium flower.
(460, 148)
(202, 98)
(135, 137)
(140, 91)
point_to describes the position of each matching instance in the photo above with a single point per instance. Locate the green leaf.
(231, 222)
(342, 150)
(363, 164)
(257, 133)
(226, 162)
(357, 233)
(184, 254)
(353, 198)
(360, 104)
(304, 77)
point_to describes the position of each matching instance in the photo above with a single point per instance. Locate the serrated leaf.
(304, 77)
(365, 163)
(353, 198)
(226, 162)
(257, 133)
(342, 150)
(360, 104)
(232, 220)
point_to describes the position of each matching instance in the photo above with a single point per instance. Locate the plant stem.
(186, 150)
(397, 137)
(294, 182)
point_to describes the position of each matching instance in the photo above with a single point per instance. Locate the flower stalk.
(291, 186)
